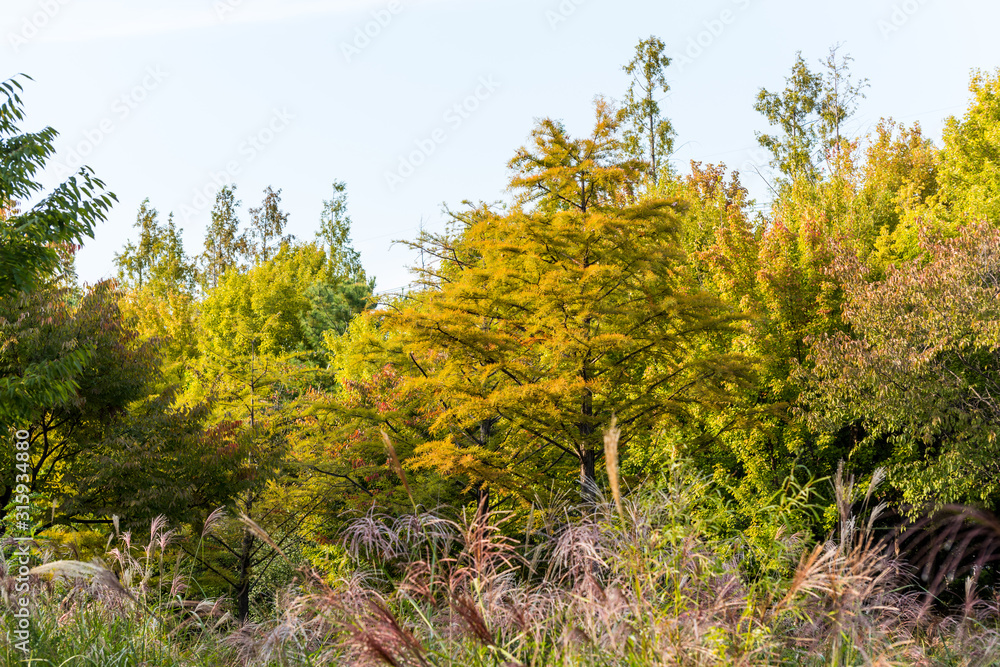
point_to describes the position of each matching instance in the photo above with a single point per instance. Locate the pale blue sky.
(165, 97)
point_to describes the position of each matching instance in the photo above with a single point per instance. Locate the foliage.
(281, 305)
(335, 232)
(919, 366)
(267, 224)
(792, 111)
(970, 187)
(225, 246)
(538, 326)
(282, 420)
(30, 239)
(899, 185)
(158, 263)
(810, 112)
(665, 582)
(106, 446)
(648, 135)
(162, 461)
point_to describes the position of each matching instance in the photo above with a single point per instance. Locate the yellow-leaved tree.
(536, 326)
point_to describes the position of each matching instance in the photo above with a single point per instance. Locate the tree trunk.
(588, 475)
(244, 565)
(587, 452)
(243, 583)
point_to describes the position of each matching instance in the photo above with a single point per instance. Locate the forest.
(624, 415)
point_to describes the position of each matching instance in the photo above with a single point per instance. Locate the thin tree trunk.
(588, 454)
(243, 581)
(588, 476)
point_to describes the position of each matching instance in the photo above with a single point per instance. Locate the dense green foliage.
(261, 397)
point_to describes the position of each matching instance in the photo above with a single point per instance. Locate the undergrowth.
(653, 577)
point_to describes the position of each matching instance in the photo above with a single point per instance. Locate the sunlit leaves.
(539, 324)
(921, 366)
(29, 239)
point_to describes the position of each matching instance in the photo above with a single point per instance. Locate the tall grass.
(649, 578)
(652, 577)
(127, 610)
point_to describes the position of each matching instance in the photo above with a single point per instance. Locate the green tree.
(334, 302)
(810, 112)
(794, 112)
(898, 193)
(30, 240)
(135, 262)
(251, 396)
(225, 246)
(285, 304)
(267, 224)
(647, 135)
(919, 370)
(173, 271)
(335, 234)
(159, 458)
(158, 262)
(839, 101)
(33, 370)
(772, 268)
(259, 393)
(970, 184)
(104, 367)
(159, 299)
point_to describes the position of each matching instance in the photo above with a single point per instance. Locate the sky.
(419, 105)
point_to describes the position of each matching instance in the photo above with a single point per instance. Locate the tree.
(810, 112)
(173, 270)
(839, 100)
(30, 239)
(33, 370)
(258, 397)
(898, 193)
(267, 224)
(159, 459)
(648, 136)
(335, 233)
(160, 279)
(772, 268)
(225, 246)
(158, 262)
(136, 261)
(285, 304)
(336, 301)
(970, 185)
(341, 453)
(103, 369)
(794, 112)
(919, 369)
(248, 389)
(547, 321)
